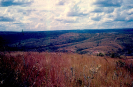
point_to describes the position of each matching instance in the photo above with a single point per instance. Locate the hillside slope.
(91, 42)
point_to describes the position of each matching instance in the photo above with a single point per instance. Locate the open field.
(57, 69)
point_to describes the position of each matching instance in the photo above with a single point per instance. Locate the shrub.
(100, 54)
(120, 63)
(114, 55)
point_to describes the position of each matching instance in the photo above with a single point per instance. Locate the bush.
(100, 54)
(120, 63)
(114, 55)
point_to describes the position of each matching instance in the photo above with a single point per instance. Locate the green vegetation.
(100, 54)
(114, 55)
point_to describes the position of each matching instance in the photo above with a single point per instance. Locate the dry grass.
(63, 70)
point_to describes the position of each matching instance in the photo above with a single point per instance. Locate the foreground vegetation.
(56, 69)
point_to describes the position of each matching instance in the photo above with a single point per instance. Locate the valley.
(73, 58)
(107, 42)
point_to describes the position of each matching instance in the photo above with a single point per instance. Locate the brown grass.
(63, 70)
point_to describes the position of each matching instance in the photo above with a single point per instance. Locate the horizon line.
(67, 30)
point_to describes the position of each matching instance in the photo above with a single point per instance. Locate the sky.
(44, 15)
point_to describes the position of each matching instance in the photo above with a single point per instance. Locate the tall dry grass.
(63, 70)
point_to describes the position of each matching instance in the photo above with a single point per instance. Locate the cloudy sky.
(40, 15)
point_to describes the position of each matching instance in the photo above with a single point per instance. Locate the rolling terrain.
(119, 41)
(72, 58)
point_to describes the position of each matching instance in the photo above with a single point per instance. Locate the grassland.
(56, 69)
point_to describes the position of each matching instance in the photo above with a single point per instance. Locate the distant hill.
(107, 41)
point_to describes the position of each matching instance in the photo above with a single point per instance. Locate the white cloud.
(66, 19)
(130, 11)
(65, 14)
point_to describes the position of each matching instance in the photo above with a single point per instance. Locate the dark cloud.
(98, 10)
(6, 3)
(119, 16)
(66, 20)
(124, 19)
(108, 3)
(6, 19)
(129, 6)
(130, 19)
(98, 18)
(17, 23)
(75, 13)
(26, 12)
(61, 2)
(108, 10)
(105, 9)
(126, 15)
(110, 16)
(130, 13)
(119, 19)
